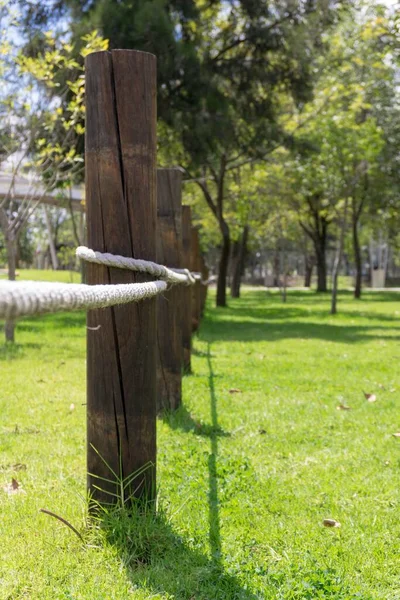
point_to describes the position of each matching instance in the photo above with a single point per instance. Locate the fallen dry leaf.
(13, 487)
(396, 434)
(370, 397)
(330, 523)
(343, 407)
(235, 391)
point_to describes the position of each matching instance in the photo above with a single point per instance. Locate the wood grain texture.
(187, 290)
(169, 305)
(121, 219)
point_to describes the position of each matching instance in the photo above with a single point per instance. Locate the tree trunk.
(9, 326)
(233, 264)
(357, 259)
(309, 267)
(320, 253)
(52, 245)
(17, 256)
(239, 264)
(276, 268)
(338, 260)
(284, 288)
(284, 271)
(223, 264)
(284, 282)
(308, 263)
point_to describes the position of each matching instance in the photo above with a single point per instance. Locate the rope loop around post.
(173, 276)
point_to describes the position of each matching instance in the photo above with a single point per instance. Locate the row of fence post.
(136, 353)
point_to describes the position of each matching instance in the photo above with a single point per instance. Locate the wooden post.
(121, 219)
(169, 305)
(186, 291)
(195, 266)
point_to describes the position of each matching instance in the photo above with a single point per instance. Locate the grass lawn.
(245, 478)
(42, 275)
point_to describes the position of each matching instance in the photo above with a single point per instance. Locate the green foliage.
(60, 77)
(223, 68)
(43, 104)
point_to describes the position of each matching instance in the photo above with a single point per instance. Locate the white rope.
(211, 279)
(34, 297)
(136, 264)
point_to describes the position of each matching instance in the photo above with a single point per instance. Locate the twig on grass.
(48, 512)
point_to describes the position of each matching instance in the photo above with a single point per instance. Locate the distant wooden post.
(169, 305)
(121, 219)
(195, 266)
(186, 290)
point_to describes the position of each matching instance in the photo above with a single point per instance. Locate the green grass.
(245, 479)
(45, 275)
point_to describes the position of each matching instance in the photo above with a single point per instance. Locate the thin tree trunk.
(74, 226)
(233, 263)
(357, 260)
(309, 266)
(78, 235)
(17, 255)
(53, 252)
(284, 276)
(217, 208)
(338, 260)
(11, 241)
(239, 264)
(320, 253)
(275, 268)
(309, 262)
(223, 264)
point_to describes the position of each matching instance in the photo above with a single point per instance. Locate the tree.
(37, 139)
(338, 257)
(238, 121)
(346, 136)
(366, 66)
(224, 69)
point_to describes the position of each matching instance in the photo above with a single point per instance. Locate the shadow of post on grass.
(156, 557)
(213, 502)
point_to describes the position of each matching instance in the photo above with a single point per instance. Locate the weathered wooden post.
(195, 266)
(169, 305)
(186, 290)
(121, 219)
